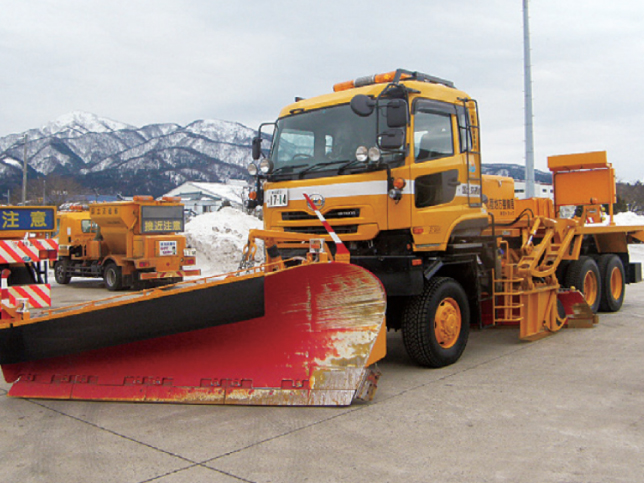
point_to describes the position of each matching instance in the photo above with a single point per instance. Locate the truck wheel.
(436, 323)
(61, 272)
(611, 271)
(112, 277)
(583, 274)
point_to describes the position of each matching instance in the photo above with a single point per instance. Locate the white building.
(199, 198)
(540, 190)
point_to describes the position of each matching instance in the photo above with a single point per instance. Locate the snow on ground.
(219, 239)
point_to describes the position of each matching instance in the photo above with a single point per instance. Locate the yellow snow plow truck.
(374, 203)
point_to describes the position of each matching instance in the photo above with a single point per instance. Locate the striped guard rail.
(29, 250)
(38, 295)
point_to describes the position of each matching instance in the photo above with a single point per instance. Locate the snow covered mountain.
(113, 157)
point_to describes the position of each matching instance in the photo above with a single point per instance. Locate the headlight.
(252, 169)
(362, 154)
(265, 166)
(374, 154)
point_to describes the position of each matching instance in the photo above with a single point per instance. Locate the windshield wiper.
(347, 165)
(287, 168)
(315, 166)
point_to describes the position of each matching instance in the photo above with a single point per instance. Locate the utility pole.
(527, 79)
(24, 173)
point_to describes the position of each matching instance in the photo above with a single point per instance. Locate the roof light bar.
(394, 76)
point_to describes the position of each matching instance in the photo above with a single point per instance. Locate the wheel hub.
(447, 323)
(616, 283)
(590, 288)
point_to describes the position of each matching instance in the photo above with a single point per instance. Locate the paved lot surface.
(568, 408)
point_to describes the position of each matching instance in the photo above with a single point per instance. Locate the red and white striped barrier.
(28, 250)
(339, 246)
(38, 296)
(4, 293)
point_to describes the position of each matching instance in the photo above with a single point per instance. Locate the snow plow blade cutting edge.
(323, 326)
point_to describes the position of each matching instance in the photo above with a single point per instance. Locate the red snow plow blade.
(322, 327)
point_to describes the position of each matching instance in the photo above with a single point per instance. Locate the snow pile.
(626, 218)
(219, 239)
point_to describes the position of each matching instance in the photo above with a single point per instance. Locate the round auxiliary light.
(252, 169)
(362, 154)
(399, 183)
(374, 154)
(265, 166)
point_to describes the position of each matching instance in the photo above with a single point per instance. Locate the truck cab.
(391, 161)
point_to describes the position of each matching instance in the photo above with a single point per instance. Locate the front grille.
(320, 230)
(331, 215)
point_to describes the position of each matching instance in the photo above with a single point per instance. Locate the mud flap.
(323, 324)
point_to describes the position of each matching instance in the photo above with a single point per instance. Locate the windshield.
(323, 140)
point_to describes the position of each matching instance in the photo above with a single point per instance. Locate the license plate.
(276, 198)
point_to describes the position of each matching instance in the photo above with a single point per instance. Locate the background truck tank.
(126, 243)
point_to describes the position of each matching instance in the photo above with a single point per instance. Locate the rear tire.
(611, 271)
(583, 274)
(436, 323)
(112, 277)
(61, 274)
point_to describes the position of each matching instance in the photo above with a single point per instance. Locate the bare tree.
(51, 190)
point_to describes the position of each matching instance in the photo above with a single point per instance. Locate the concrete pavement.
(568, 408)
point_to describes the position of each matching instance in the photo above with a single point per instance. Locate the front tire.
(436, 323)
(112, 277)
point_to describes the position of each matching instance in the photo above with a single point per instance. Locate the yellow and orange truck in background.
(127, 243)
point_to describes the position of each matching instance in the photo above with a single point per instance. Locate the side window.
(433, 136)
(464, 133)
(88, 226)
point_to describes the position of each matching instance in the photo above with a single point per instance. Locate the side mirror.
(257, 148)
(392, 139)
(363, 105)
(397, 113)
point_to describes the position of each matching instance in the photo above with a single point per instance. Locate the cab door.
(439, 174)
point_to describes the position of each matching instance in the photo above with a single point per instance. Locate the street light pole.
(527, 79)
(24, 173)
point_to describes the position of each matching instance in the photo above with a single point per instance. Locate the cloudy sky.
(143, 62)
